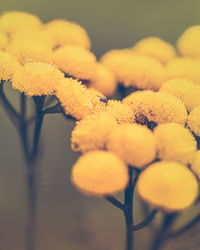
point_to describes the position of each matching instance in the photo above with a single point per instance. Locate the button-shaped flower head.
(99, 173)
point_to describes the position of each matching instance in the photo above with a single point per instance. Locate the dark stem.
(115, 202)
(145, 222)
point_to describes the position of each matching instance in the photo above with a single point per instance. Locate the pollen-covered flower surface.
(168, 185)
(193, 121)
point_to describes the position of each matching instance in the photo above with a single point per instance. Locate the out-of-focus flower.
(188, 43)
(184, 90)
(157, 107)
(99, 173)
(11, 21)
(3, 39)
(156, 48)
(195, 166)
(104, 80)
(175, 143)
(193, 121)
(168, 185)
(36, 79)
(8, 66)
(136, 70)
(65, 32)
(134, 144)
(75, 61)
(183, 67)
(92, 132)
(74, 98)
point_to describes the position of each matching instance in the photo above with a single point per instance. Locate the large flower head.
(99, 173)
(3, 39)
(168, 185)
(193, 121)
(156, 48)
(134, 144)
(36, 79)
(175, 143)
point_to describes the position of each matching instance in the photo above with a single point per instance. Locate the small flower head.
(134, 144)
(8, 66)
(168, 185)
(99, 173)
(184, 90)
(156, 48)
(193, 121)
(136, 70)
(188, 43)
(183, 67)
(149, 106)
(11, 21)
(92, 132)
(74, 98)
(175, 143)
(98, 100)
(36, 79)
(75, 61)
(3, 39)
(65, 32)
(195, 166)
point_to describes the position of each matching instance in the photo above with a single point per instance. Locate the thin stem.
(145, 222)
(115, 202)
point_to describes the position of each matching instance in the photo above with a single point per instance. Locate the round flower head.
(134, 70)
(168, 185)
(184, 90)
(195, 166)
(92, 132)
(188, 43)
(75, 61)
(193, 121)
(3, 39)
(11, 21)
(74, 98)
(99, 173)
(187, 68)
(36, 79)
(98, 100)
(175, 143)
(156, 48)
(65, 32)
(134, 144)
(149, 106)
(28, 50)
(8, 66)
(105, 80)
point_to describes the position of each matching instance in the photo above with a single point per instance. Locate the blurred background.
(67, 220)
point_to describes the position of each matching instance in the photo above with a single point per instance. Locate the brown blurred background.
(67, 220)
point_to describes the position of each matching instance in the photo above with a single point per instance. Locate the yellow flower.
(156, 48)
(98, 100)
(92, 132)
(74, 98)
(65, 32)
(195, 166)
(29, 50)
(99, 173)
(183, 67)
(35, 79)
(193, 121)
(188, 43)
(184, 90)
(134, 144)
(3, 39)
(136, 70)
(168, 185)
(11, 21)
(175, 143)
(158, 107)
(105, 80)
(75, 61)
(8, 66)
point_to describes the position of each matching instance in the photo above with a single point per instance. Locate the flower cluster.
(55, 59)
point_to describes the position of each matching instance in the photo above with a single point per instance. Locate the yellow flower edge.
(195, 166)
(193, 121)
(168, 186)
(99, 173)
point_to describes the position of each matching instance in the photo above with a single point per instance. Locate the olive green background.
(67, 220)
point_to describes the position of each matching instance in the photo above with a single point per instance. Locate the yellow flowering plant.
(146, 142)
